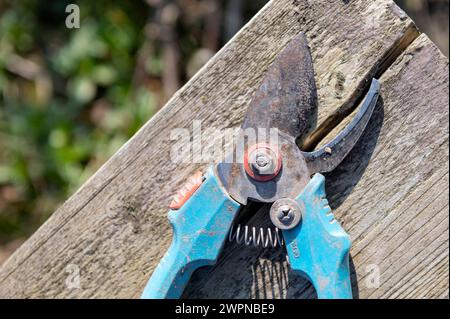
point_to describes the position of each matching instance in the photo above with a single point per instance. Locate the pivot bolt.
(285, 213)
(262, 162)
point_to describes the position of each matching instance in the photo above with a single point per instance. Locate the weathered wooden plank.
(391, 194)
(115, 228)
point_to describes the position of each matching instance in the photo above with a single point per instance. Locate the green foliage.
(66, 101)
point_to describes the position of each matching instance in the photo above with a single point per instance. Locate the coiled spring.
(261, 236)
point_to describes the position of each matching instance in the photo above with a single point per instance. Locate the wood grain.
(390, 194)
(114, 228)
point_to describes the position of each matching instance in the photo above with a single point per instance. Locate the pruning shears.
(277, 173)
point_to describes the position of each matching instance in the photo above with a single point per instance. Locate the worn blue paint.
(200, 228)
(318, 247)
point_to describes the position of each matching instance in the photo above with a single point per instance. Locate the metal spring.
(263, 237)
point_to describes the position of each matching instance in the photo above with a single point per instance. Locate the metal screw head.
(262, 162)
(285, 213)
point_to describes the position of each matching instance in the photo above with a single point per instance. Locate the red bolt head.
(270, 165)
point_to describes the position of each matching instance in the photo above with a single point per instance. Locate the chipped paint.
(323, 244)
(200, 229)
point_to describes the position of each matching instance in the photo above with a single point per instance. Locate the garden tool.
(278, 173)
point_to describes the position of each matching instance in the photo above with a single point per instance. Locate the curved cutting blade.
(332, 154)
(287, 96)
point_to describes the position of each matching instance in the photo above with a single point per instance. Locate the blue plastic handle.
(318, 248)
(200, 228)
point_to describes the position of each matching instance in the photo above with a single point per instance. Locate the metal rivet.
(285, 213)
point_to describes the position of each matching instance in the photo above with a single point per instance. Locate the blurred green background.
(69, 98)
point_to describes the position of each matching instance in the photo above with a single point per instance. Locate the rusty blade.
(287, 96)
(333, 153)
